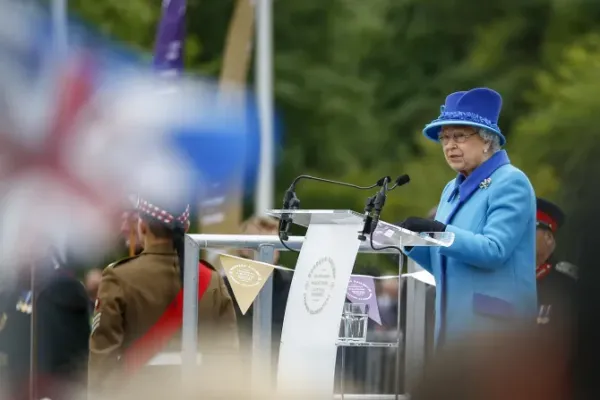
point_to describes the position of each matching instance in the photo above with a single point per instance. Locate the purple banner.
(361, 289)
(168, 53)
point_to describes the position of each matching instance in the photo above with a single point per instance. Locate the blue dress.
(486, 279)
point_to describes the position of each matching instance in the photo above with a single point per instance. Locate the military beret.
(171, 217)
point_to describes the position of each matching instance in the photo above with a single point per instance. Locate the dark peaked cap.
(549, 215)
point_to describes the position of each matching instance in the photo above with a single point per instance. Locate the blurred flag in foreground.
(78, 134)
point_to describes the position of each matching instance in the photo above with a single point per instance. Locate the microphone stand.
(375, 205)
(373, 210)
(291, 202)
(379, 202)
(368, 218)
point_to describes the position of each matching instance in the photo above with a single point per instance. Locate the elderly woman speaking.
(486, 279)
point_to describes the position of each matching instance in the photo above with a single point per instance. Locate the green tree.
(562, 140)
(356, 81)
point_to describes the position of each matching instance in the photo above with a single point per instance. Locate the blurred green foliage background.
(357, 80)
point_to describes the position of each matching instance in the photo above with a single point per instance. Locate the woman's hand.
(417, 224)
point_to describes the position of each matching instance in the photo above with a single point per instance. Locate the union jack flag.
(76, 137)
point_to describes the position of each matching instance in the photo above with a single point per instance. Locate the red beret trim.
(548, 220)
(161, 215)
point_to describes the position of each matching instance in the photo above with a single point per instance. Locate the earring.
(485, 150)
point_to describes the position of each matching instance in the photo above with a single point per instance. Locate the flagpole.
(264, 87)
(263, 201)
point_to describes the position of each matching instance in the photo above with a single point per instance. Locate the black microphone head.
(402, 180)
(382, 180)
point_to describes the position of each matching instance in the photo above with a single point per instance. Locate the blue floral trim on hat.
(466, 116)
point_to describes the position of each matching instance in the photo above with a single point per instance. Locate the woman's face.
(463, 148)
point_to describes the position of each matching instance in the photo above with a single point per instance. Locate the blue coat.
(486, 279)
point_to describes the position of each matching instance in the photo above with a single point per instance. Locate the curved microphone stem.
(314, 178)
(291, 201)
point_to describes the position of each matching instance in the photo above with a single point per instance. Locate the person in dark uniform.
(556, 282)
(59, 306)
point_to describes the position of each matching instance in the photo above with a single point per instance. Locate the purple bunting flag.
(168, 54)
(361, 289)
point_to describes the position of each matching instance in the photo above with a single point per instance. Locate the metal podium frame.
(265, 246)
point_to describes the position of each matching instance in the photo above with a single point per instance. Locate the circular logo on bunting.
(319, 285)
(245, 275)
(358, 290)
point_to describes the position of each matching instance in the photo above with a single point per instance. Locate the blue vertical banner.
(168, 52)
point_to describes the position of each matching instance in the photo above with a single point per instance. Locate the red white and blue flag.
(78, 134)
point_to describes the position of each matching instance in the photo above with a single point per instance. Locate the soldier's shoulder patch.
(568, 269)
(96, 321)
(122, 262)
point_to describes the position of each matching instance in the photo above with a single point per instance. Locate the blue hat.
(478, 107)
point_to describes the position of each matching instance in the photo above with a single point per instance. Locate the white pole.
(264, 86)
(59, 25)
(189, 329)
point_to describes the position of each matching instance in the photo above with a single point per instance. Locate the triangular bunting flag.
(361, 289)
(246, 278)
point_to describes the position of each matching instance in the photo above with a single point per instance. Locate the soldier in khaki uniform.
(216, 307)
(136, 292)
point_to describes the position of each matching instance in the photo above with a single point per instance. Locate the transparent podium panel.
(385, 234)
(345, 343)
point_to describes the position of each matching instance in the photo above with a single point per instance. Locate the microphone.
(381, 181)
(401, 180)
(292, 202)
(369, 209)
(380, 197)
(379, 202)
